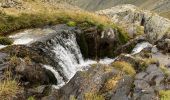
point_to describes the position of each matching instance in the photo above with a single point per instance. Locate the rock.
(3, 58)
(164, 44)
(140, 75)
(11, 3)
(27, 67)
(123, 89)
(93, 81)
(155, 26)
(154, 49)
(152, 68)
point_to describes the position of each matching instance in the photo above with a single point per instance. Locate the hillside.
(160, 6)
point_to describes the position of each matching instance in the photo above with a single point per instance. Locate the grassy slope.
(37, 14)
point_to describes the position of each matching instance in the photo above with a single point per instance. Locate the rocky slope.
(139, 21)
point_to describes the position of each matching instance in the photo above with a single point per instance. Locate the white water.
(30, 35)
(139, 47)
(2, 46)
(56, 74)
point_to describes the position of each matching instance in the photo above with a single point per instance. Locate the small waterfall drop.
(67, 53)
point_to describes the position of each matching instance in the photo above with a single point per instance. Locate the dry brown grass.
(125, 67)
(112, 83)
(93, 96)
(9, 87)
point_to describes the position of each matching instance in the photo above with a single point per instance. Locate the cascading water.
(69, 57)
(66, 52)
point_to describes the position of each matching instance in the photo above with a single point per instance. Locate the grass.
(112, 83)
(164, 94)
(11, 22)
(144, 63)
(93, 96)
(31, 98)
(9, 87)
(125, 67)
(165, 70)
(71, 24)
(5, 41)
(139, 30)
(38, 14)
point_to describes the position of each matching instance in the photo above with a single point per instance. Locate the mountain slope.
(160, 6)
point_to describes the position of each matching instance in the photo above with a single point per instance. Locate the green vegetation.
(10, 22)
(5, 40)
(71, 23)
(123, 35)
(164, 94)
(31, 98)
(93, 96)
(125, 67)
(139, 30)
(165, 70)
(144, 63)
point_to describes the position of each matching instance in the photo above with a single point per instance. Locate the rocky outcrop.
(155, 27)
(99, 81)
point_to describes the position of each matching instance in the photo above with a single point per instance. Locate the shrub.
(5, 41)
(164, 94)
(125, 67)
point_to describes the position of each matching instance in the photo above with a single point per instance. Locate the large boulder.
(99, 81)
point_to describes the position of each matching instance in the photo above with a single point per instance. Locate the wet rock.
(26, 65)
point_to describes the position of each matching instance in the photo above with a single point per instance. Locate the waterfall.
(67, 53)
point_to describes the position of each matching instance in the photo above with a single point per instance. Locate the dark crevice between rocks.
(93, 45)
